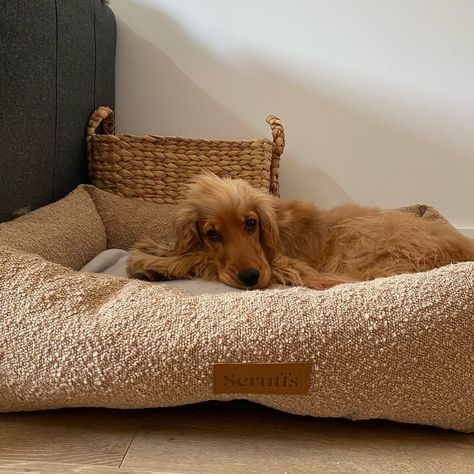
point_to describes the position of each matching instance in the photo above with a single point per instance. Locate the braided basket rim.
(106, 136)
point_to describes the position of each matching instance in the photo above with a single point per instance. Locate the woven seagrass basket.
(159, 169)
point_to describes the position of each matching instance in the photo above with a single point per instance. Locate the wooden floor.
(223, 438)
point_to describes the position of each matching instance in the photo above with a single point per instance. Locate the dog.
(246, 238)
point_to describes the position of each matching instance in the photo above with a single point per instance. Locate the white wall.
(377, 96)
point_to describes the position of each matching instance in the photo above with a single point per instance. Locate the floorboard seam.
(130, 444)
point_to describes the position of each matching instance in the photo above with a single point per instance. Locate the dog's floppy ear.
(186, 228)
(269, 233)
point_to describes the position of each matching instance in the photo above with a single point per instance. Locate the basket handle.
(102, 121)
(278, 134)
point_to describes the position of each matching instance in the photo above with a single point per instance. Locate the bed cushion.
(126, 220)
(69, 232)
(399, 348)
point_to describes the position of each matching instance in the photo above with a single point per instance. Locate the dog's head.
(234, 224)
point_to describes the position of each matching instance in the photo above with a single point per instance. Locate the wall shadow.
(326, 137)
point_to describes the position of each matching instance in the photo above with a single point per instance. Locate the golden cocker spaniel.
(228, 231)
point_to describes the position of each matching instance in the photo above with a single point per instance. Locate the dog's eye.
(214, 235)
(250, 225)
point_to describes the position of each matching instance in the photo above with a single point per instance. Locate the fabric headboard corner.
(57, 66)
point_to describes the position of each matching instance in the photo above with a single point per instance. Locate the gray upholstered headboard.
(57, 64)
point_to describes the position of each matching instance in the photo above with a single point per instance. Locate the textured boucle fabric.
(126, 220)
(399, 348)
(69, 232)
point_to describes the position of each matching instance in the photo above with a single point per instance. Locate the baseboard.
(469, 231)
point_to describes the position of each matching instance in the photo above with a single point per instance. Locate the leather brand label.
(271, 378)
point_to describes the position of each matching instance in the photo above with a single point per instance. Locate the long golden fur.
(228, 231)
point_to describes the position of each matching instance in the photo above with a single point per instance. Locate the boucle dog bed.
(398, 348)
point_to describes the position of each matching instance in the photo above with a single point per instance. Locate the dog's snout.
(249, 276)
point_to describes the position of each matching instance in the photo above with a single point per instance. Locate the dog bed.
(398, 348)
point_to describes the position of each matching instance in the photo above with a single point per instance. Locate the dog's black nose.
(249, 276)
